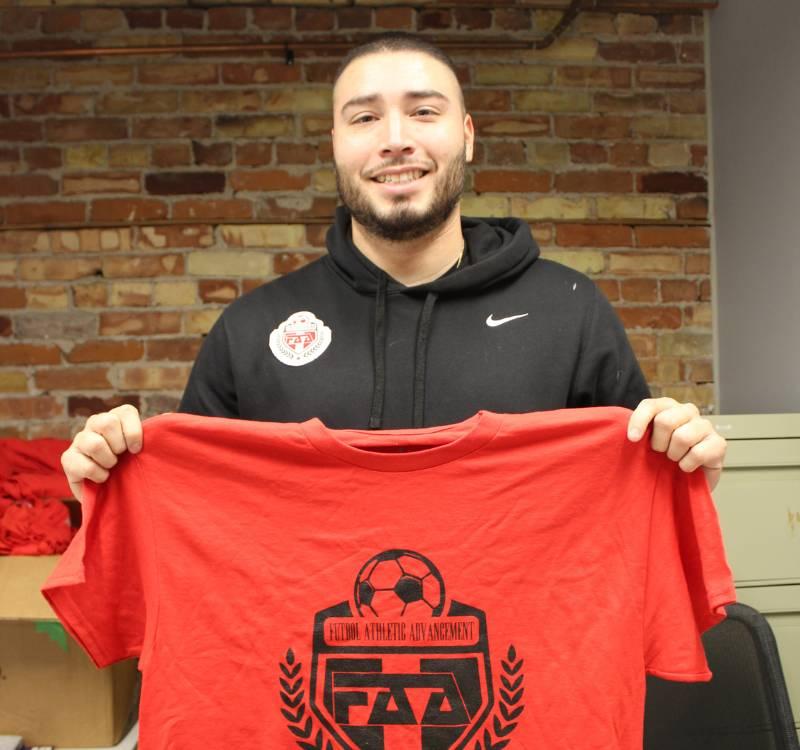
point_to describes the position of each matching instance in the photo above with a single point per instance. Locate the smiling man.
(417, 316)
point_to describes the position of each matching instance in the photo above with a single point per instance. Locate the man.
(416, 317)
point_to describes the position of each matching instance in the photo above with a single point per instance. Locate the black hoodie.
(507, 331)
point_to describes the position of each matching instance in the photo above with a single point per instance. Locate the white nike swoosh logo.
(491, 322)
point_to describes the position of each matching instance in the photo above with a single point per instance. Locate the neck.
(415, 261)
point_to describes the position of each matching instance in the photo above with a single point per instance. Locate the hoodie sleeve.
(607, 373)
(211, 391)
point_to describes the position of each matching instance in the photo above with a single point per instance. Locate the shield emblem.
(381, 684)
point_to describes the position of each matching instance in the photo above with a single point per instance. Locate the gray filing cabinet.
(758, 501)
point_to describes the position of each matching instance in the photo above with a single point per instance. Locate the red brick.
(315, 234)
(249, 284)
(628, 154)
(106, 351)
(434, 18)
(679, 290)
(191, 74)
(273, 19)
(491, 100)
(212, 154)
(175, 350)
(9, 155)
(45, 104)
(87, 129)
(257, 154)
(288, 262)
(593, 76)
(231, 19)
(354, 18)
(502, 181)
(143, 18)
(171, 155)
(218, 290)
(513, 19)
(705, 290)
(639, 290)
(19, 20)
(45, 213)
(271, 208)
(603, 181)
(128, 209)
(394, 18)
(72, 378)
(697, 264)
(184, 183)
(30, 407)
(268, 179)
(672, 182)
(593, 235)
(692, 52)
(313, 19)
(185, 18)
(677, 23)
(213, 209)
(242, 73)
(503, 153)
(21, 130)
(699, 155)
(650, 317)
(28, 185)
(43, 157)
(142, 266)
(633, 52)
(670, 78)
(142, 323)
(29, 354)
(587, 153)
(473, 18)
(5, 325)
(175, 236)
(609, 287)
(654, 236)
(320, 72)
(172, 127)
(597, 127)
(60, 20)
(692, 208)
(630, 103)
(12, 297)
(85, 406)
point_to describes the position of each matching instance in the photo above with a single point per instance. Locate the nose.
(396, 139)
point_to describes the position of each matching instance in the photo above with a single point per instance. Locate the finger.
(686, 436)
(708, 453)
(667, 421)
(93, 446)
(78, 467)
(644, 414)
(109, 426)
(131, 424)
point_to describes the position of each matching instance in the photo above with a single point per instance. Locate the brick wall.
(140, 194)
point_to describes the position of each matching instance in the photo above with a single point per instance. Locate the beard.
(401, 222)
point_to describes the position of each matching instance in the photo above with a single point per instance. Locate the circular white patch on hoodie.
(300, 339)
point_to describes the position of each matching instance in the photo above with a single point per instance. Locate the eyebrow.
(358, 101)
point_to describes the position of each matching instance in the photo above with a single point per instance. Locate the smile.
(400, 177)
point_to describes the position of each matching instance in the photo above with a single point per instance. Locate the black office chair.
(744, 707)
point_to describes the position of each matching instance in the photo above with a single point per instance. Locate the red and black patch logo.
(401, 667)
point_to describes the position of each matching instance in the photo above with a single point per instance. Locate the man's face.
(400, 143)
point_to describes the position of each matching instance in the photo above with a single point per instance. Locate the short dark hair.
(398, 41)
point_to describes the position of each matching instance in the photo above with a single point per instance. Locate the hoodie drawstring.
(421, 358)
(379, 355)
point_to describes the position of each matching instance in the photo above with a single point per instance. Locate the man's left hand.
(681, 433)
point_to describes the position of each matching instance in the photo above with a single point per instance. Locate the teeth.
(402, 177)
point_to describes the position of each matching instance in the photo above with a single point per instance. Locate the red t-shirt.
(510, 577)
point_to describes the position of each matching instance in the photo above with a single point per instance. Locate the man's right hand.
(95, 448)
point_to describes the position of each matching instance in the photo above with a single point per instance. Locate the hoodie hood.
(496, 250)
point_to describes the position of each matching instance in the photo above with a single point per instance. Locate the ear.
(469, 137)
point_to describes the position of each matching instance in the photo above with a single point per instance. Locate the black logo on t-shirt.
(401, 666)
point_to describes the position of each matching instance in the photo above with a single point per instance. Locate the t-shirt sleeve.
(99, 587)
(688, 580)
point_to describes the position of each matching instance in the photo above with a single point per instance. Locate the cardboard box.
(50, 692)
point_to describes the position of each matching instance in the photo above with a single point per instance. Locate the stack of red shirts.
(33, 518)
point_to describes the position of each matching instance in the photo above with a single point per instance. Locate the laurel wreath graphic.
(301, 724)
(510, 695)
(293, 695)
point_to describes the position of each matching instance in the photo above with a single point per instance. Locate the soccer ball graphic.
(399, 583)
